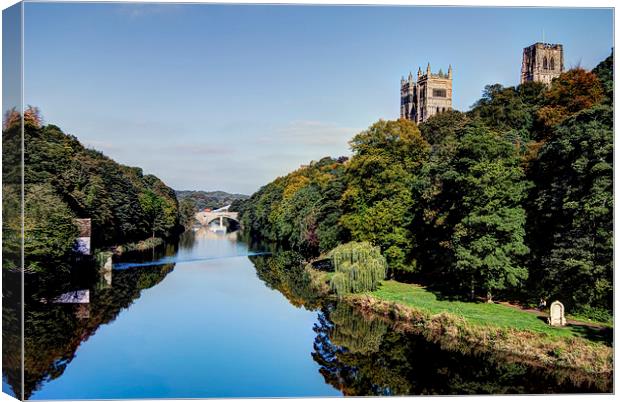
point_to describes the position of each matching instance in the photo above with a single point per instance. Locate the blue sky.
(223, 97)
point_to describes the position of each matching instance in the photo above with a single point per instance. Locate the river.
(208, 317)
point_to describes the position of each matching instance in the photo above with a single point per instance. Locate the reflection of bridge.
(207, 217)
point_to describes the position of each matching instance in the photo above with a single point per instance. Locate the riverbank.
(487, 327)
(142, 245)
(553, 347)
(501, 315)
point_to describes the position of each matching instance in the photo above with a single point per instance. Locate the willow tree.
(359, 267)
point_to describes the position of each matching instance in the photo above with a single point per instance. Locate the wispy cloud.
(103, 146)
(309, 133)
(137, 10)
(202, 149)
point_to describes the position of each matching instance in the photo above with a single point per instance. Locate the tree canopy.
(510, 199)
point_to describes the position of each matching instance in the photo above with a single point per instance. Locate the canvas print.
(262, 200)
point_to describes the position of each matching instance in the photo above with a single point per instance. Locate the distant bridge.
(207, 217)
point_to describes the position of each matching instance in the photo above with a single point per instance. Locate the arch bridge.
(207, 217)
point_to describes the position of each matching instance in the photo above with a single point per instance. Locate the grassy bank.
(486, 327)
(481, 313)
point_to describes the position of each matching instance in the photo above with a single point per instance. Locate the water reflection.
(363, 354)
(285, 272)
(54, 331)
(318, 347)
(11, 332)
(359, 355)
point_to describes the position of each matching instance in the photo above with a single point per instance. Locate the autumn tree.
(572, 91)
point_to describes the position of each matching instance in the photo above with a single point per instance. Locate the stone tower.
(427, 96)
(542, 62)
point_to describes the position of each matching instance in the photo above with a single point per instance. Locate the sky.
(229, 97)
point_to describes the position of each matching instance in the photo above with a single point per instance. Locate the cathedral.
(427, 96)
(430, 94)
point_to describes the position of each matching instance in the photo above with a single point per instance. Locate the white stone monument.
(556, 314)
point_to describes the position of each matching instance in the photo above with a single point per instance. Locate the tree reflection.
(53, 332)
(361, 354)
(285, 272)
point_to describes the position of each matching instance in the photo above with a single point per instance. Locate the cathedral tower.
(427, 96)
(542, 62)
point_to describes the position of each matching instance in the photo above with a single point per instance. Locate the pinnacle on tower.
(428, 69)
(450, 71)
(410, 77)
(419, 72)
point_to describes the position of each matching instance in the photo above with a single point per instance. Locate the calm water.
(212, 319)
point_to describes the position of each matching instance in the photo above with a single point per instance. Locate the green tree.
(187, 210)
(383, 185)
(300, 210)
(49, 227)
(605, 73)
(488, 239)
(94, 186)
(152, 206)
(435, 226)
(359, 267)
(571, 229)
(509, 109)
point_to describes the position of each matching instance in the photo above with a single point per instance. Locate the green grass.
(476, 313)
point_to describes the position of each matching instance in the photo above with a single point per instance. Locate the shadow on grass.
(590, 332)
(444, 294)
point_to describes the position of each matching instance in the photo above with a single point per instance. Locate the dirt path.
(544, 314)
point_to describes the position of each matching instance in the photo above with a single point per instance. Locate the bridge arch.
(207, 217)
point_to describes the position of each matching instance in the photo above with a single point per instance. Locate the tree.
(49, 227)
(152, 206)
(300, 210)
(359, 267)
(383, 183)
(571, 92)
(571, 229)
(94, 186)
(605, 73)
(436, 223)
(187, 210)
(488, 238)
(506, 109)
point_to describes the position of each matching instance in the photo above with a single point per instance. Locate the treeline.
(63, 181)
(209, 199)
(301, 210)
(513, 198)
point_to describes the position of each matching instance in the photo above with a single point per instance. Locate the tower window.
(545, 63)
(552, 64)
(439, 93)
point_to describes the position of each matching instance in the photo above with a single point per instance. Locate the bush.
(359, 267)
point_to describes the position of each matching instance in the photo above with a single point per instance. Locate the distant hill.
(210, 199)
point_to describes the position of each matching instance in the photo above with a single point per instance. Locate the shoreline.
(578, 358)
